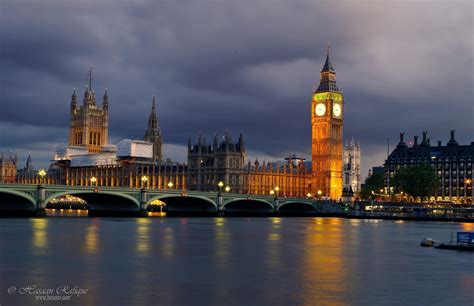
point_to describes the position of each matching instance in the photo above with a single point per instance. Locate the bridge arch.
(296, 208)
(248, 206)
(102, 200)
(186, 204)
(16, 200)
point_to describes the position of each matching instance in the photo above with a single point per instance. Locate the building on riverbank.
(8, 168)
(453, 163)
(351, 166)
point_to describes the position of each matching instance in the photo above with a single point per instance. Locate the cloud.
(240, 65)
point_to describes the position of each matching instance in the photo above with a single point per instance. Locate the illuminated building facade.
(454, 165)
(225, 162)
(8, 166)
(220, 162)
(89, 123)
(291, 178)
(327, 114)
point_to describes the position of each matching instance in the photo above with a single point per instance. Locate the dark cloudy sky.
(240, 65)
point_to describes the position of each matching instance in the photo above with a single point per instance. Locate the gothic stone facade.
(226, 162)
(89, 123)
(8, 166)
(327, 116)
(351, 166)
(210, 164)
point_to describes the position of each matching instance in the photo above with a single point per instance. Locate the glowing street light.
(42, 174)
(220, 184)
(170, 184)
(272, 192)
(144, 180)
(308, 195)
(93, 180)
(227, 189)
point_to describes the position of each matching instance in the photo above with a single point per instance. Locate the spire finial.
(328, 65)
(90, 77)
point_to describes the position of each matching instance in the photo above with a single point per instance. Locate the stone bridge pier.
(143, 202)
(40, 201)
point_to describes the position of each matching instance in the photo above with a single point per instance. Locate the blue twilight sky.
(240, 65)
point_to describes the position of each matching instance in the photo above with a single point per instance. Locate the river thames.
(231, 261)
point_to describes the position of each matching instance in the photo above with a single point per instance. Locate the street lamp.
(42, 174)
(170, 184)
(272, 192)
(93, 180)
(277, 189)
(467, 182)
(227, 189)
(308, 195)
(144, 181)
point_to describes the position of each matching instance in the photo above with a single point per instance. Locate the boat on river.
(464, 242)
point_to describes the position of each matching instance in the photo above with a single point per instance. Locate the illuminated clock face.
(320, 109)
(337, 109)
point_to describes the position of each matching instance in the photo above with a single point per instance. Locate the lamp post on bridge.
(319, 193)
(42, 174)
(144, 181)
(219, 196)
(275, 199)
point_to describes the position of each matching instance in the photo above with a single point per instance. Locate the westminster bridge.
(31, 198)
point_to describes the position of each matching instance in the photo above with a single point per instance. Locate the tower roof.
(327, 81)
(328, 65)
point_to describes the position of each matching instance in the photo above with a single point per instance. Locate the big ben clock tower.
(327, 117)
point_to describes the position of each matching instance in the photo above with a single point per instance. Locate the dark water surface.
(232, 261)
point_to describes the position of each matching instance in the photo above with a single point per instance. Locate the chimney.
(401, 144)
(452, 140)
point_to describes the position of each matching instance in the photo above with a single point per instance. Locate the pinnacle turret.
(105, 100)
(153, 133)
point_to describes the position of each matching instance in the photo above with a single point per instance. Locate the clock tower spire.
(326, 130)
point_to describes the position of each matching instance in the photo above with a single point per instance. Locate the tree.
(416, 181)
(375, 182)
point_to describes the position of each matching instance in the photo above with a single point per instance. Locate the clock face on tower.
(336, 109)
(320, 109)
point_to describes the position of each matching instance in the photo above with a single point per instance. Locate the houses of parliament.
(89, 159)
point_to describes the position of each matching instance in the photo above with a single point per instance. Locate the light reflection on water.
(235, 261)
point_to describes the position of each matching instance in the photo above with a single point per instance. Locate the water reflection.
(222, 243)
(468, 227)
(323, 262)
(40, 236)
(273, 259)
(238, 261)
(143, 243)
(168, 247)
(91, 237)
